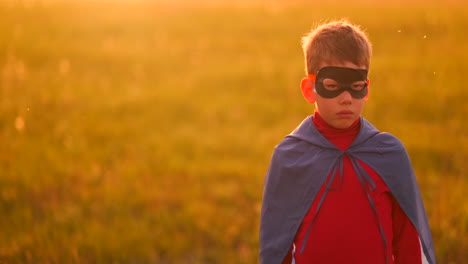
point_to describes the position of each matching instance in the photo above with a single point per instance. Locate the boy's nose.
(345, 97)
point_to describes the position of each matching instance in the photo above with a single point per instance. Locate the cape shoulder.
(291, 161)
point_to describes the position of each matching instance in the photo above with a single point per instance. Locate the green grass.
(141, 133)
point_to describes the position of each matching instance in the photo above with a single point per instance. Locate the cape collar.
(308, 132)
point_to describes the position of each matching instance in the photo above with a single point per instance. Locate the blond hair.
(336, 41)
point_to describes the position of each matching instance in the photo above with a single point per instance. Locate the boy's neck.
(341, 138)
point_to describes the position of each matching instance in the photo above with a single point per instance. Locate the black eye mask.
(345, 77)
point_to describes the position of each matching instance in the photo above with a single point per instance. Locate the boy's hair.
(336, 41)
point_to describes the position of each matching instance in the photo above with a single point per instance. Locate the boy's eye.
(358, 86)
(330, 84)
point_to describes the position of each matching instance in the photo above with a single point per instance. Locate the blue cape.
(300, 165)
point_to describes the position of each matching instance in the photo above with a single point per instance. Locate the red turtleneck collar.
(342, 138)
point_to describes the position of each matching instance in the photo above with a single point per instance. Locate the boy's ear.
(307, 87)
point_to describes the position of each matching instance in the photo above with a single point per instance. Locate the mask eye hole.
(330, 84)
(359, 85)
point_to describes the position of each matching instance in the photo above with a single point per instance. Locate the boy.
(338, 190)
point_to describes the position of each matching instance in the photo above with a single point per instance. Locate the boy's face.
(344, 109)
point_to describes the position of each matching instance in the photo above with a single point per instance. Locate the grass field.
(139, 132)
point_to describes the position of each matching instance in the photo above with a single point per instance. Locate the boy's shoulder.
(291, 145)
(386, 140)
(370, 136)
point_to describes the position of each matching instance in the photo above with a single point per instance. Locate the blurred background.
(141, 131)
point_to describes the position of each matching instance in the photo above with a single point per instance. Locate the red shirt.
(346, 229)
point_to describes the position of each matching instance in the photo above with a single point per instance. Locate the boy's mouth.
(345, 114)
